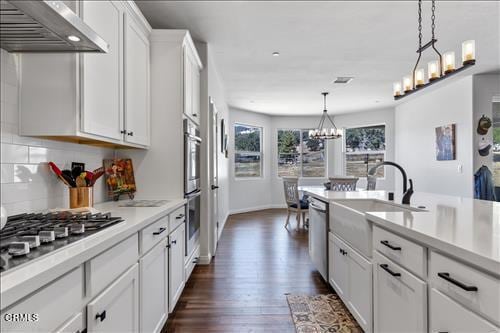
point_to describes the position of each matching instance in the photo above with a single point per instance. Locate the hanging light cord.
(433, 28)
(419, 42)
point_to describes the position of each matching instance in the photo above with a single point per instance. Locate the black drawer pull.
(446, 276)
(159, 231)
(174, 242)
(385, 267)
(101, 315)
(178, 217)
(343, 252)
(386, 243)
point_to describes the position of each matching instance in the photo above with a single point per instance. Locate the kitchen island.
(414, 267)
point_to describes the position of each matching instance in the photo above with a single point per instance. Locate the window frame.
(261, 153)
(325, 151)
(345, 152)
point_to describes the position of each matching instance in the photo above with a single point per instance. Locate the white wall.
(26, 183)
(252, 193)
(267, 192)
(416, 119)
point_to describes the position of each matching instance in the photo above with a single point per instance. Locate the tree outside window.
(298, 155)
(248, 152)
(365, 147)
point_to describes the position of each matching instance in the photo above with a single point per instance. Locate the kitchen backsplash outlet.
(26, 181)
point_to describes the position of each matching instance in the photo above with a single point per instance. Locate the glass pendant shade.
(449, 62)
(419, 77)
(396, 89)
(433, 70)
(468, 52)
(407, 83)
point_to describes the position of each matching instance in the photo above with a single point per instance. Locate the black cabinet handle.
(178, 217)
(168, 246)
(385, 267)
(214, 187)
(195, 261)
(343, 252)
(446, 276)
(159, 231)
(195, 115)
(130, 133)
(101, 315)
(123, 131)
(174, 242)
(386, 243)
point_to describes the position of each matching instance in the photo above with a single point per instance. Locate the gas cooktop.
(29, 236)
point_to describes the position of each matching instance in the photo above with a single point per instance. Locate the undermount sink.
(371, 205)
(348, 220)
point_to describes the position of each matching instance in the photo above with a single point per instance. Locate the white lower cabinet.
(446, 315)
(176, 265)
(74, 325)
(153, 277)
(116, 309)
(400, 298)
(350, 275)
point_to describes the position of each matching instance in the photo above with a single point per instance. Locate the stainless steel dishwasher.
(318, 235)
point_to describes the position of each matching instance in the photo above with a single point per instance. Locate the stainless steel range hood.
(45, 26)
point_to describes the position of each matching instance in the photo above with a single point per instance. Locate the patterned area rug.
(321, 313)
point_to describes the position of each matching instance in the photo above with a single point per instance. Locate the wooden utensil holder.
(81, 197)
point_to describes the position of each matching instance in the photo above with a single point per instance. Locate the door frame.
(213, 161)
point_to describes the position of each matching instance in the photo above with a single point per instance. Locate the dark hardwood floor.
(244, 288)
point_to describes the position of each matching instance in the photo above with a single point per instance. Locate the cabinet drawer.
(191, 262)
(446, 315)
(475, 290)
(400, 298)
(107, 266)
(153, 233)
(400, 250)
(53, 305)
(177, 217)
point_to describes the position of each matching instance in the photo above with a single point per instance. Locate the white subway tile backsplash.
(27, 184)
(14, 153)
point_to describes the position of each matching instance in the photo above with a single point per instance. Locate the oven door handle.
(192, 195)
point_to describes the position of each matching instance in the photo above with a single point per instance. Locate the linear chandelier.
(437, 69)
(322, 132)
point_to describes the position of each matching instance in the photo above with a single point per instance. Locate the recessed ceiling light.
(74, 38)
(276, 54)
(343, 79)
(252, 102)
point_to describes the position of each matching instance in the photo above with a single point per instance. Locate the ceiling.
(374, 41)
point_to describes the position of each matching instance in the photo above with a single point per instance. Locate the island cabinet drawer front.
(399, 298)
(191, 263)
(476, 290)
(106, 267)
(53, 305)
(446, 315)
(153, 234)
(177, 217)
(400, 250)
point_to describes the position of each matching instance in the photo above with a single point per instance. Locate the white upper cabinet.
(137, 96)
(92, 98)
(191, 82)
(102, 84)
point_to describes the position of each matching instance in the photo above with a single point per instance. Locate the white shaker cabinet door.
(116, 309)
(400, 302)
(339, 267)
(446, 315)
(176, 265)
(102, 74)
(137, 102)
(153, 269)
(187, 83)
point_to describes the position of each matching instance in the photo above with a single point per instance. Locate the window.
(365, 147)
(298, 155)
(247, 151)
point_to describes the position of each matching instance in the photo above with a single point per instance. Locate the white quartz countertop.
(23, 280)
(464, 228)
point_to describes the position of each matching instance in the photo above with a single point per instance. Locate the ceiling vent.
(343, 79)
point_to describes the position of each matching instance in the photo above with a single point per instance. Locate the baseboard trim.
(205, 260)
(256, 208)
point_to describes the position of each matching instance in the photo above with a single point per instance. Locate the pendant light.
(323, 132)
(437, 69)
